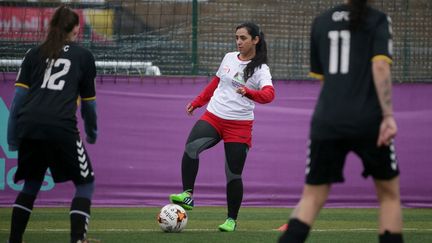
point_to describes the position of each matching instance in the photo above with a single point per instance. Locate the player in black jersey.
(351, 53)
(53, 78)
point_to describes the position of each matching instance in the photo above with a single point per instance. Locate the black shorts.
(326, 160)
(67, 160)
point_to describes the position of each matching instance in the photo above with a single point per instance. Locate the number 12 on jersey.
(50, 79)
(339, 53)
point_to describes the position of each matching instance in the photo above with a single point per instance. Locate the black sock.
(297, 232)
(388, 237)
(79, 217)
(234, 197)
(21, 212)
(189, 172)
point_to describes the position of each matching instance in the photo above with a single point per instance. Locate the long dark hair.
(61, 24)
(358, 9)
(261, 49)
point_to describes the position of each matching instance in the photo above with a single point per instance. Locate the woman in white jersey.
(242, 79)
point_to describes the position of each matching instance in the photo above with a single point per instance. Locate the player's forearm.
(17, 102)
(89, 115)
(263, 96)
(383, 86)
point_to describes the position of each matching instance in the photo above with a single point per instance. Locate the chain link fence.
(181, 37)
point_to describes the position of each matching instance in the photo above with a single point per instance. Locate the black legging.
(204, 136)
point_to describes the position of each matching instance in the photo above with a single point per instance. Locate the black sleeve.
(87, 83)
(383, 44)
(24, 73)
(315, 64)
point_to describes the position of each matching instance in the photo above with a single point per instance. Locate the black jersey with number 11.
(348, 105)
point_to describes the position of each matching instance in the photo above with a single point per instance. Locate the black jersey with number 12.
(49, 110)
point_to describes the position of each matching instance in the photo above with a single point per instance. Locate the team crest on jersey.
(238, 80)
(226, 69)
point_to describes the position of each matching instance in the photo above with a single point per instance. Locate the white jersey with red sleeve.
(226, 103)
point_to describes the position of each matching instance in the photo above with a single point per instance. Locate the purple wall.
(143, 127)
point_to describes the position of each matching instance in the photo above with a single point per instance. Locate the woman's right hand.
(190, 109)
(387, 132)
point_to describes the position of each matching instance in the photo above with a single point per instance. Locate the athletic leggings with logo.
(204, 136)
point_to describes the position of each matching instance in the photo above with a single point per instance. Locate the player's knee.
(230, 175)
(387, 191)
(85, 190)
(191, 150)
(389, 196)
(32, 187)
(316, 195)
(195, 147)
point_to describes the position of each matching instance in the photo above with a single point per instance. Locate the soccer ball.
(172, 218)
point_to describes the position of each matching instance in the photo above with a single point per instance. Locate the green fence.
(184, 37)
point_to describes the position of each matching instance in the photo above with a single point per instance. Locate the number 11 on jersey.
(335, 51)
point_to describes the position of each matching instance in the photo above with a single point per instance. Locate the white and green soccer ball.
(172, 218)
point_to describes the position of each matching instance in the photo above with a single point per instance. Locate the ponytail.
(61, 24)
(358, 9)
(261, 49)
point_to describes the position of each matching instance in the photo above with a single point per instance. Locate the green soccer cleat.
(183, 199)
(228, 226)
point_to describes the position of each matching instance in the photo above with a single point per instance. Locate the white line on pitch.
(215, 230)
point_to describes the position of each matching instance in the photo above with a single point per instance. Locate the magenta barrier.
(143, 127)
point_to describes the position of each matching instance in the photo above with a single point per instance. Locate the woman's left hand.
(241, 90)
